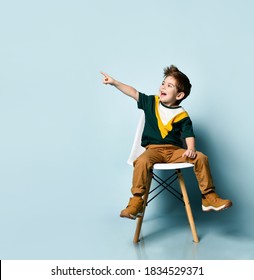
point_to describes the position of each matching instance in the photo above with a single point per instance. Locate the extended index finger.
(104, 74)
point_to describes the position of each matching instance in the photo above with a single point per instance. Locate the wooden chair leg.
(138, 228)
(187, 206)
(140, 219)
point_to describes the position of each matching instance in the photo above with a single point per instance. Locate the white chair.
(163, 184)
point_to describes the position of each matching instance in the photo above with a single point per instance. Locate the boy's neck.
(170, 105)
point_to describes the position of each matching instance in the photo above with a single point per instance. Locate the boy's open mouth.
(163, 94)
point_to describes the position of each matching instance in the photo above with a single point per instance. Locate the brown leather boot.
(212, 201)
(134, 208)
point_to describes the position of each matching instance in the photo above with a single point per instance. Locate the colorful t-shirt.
(163, 124)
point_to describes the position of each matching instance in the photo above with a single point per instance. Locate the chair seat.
(169, 166)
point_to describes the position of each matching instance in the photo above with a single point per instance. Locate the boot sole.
(131, 217)
(217, 209)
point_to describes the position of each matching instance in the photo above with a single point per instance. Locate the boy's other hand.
(189, 153)
(107, 80)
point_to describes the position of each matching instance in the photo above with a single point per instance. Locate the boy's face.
(169, 93)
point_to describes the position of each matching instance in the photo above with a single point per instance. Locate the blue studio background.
(65, 137)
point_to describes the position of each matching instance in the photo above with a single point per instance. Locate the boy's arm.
(128, 90)
(191, 150)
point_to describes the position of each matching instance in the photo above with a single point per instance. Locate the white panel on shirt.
(166, 114)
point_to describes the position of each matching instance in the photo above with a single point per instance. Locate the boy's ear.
(180, 95)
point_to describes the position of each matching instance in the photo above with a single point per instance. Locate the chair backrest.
(137, 149)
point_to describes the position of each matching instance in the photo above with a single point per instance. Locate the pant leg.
(201, 168)
(142, 175)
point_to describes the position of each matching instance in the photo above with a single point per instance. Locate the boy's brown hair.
(183, 82)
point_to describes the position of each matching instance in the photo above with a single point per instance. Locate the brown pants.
(168, 154)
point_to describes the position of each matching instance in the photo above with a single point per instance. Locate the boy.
(166, 124)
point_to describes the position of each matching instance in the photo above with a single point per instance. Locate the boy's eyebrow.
(168, 83)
